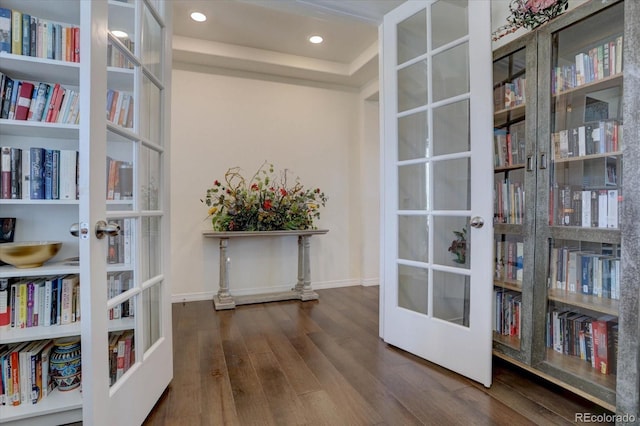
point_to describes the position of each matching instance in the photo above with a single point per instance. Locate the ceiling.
(269, 37)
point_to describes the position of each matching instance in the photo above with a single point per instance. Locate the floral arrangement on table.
(530, 14)
(265, 202)
(459, 246)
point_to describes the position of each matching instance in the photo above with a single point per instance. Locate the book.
(24, 100)
(41, 98)
(26, 170)
(68, 173)
(5, 172)
(36, 174)
(4, 302)
(66, 301)
(16, 173)
(5, 30)
(16, 32)
(6, 100)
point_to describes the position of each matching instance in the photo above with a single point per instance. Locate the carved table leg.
(307, 292)
(300, 282)
(223, 299)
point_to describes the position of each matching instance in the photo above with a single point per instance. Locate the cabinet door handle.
(529, 163)
(543, 160)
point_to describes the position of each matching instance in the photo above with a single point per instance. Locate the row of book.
(598, 137)
(509, 95)
(25, 376)
(584, 272)
(508, 202)
(40, 302)
(507, 309)
(49, 103)
(122, 353)
(120, 108)
(597, 63)
(119, 179)
(115, 57)
(118, 283)
(119, 246)
(38, 174)
(24, 34)
(593, 340)
(509, 260)
(509, 145)
(587, 208)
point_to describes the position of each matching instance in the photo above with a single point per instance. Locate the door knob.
(477, 222)
(110, 229)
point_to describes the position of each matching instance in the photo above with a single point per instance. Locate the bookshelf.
(578, 272)
(111, 282)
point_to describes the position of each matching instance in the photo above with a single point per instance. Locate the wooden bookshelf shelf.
(509, 285)
(511, 341)
(580, 368)
(593, 303)
(600, 84)
(586, 157)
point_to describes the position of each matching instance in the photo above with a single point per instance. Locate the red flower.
(266, 205)
(283, 192)
(228, 191)
(254, 187)
(217, 182)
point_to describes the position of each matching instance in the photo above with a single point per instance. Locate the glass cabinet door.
(514, 103)
(585, 172)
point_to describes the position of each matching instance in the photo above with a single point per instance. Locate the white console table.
(302, 290)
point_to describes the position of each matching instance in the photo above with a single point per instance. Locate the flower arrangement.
(530, 14)
(265, 202)
(459, 246)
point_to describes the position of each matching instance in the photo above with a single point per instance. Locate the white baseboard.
(318, 285)
(370, 282)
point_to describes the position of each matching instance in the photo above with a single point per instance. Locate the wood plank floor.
(322, 363)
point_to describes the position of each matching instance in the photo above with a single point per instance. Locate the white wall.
(221, 121)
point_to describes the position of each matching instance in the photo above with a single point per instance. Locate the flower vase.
(65, 363)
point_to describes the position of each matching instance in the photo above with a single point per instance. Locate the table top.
(238, 234)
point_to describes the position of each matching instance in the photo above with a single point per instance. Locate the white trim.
(370, 282)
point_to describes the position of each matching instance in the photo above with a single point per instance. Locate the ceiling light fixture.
(198, 17)
(316, 39)
(119, 34)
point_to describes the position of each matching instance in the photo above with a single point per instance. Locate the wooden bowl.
(28, 254)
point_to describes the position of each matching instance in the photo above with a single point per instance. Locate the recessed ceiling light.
(119, 34)
(315, 39)
(198, 17)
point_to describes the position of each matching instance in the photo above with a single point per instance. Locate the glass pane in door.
(413, 288)
(451, 72)
(151, 305)
(413, 136)
(413, 238)
(412, 86)
(152, 49)
(449, 20)
(451, 300)
(412, 37)
(151, 248)
(451, 128)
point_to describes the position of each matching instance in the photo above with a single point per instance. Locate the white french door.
(127, 345)
(437, 174)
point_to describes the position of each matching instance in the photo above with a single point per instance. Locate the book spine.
(16, 173)
(24, 101)
(16, 32)
(26, 34)
(4, 302)
(48, 174)
(5, 28)
(5, 172)
(36, 175)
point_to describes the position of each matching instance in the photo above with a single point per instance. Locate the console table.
(301, 291)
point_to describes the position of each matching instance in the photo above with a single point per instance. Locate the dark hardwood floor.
(322, 363)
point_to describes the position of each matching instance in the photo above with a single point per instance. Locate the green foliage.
(265, 202)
